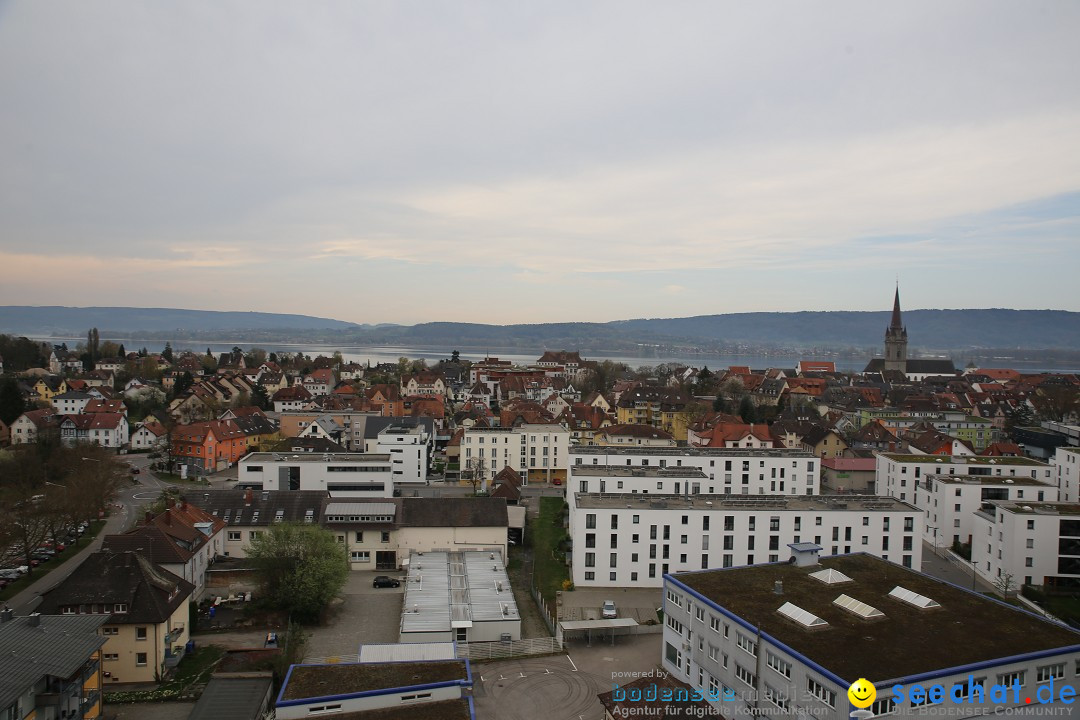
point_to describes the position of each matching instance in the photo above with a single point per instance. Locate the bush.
(568, 584)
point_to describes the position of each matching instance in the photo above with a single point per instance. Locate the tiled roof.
(56, 647)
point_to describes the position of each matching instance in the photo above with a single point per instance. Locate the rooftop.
(444, 710)
(907, 641)
(447, 590)
(316, 681)
(1038, 508)
(635, 471)
(691, 451)
(812, 503)
(962, 460)
(266, 457)
(986, 480)
(57, 646)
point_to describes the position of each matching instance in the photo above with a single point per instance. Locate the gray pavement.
(364, 615)
(157, 711)
(938, 565)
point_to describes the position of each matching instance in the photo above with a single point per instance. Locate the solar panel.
(858, 607)
(913, 598)
(803, 617)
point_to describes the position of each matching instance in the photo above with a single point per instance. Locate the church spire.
(896, 324)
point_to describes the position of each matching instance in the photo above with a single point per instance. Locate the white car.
(608, 611)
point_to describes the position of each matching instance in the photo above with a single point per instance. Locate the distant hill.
(57, 320)
(927, 329)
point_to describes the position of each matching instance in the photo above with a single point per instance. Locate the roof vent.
(913, 598)
(831, 577)
(858, 607)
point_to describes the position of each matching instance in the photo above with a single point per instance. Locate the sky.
(547, 161)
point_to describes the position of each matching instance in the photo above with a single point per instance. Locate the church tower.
(896, 339)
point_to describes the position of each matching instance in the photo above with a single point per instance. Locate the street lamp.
(931, 527)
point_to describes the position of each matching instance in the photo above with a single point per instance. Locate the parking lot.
(364, 615)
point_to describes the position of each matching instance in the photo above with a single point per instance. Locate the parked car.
(608, 611)
(11, 573)
(271, 640)
(557, 481)
(382, 581)
(135, 471)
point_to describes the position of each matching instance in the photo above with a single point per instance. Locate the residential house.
(102, 405)
(146, 610)
(661, 407)
(206, 447)
(732, 435)
(643, 435)
(105, 429)
(70, 402)
(148, 435)
(320, 382)
(849, 475)
(31, 424)
(424, 383)
(48, 387)
(291, 398)
(50, 666)
(824, 442)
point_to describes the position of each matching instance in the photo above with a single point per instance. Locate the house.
(507, 485)
(815, 366)
(70, 402)
(291, 398)
(824, 442)
(424, 383)
(182, 539)
(319, 382)
(874, 436)
(246, 513)
(148, 435)
(48, 387)
(260, 432)
(643, 435)
(540, 453)
(732, 435)
(849, 475)
(933, 442)
(104, 429)
(51, 666)
(787, 631)
(661, 407)
(348, 475)
(31, 424)
(102, 405)
(206, 447)
(145, 610)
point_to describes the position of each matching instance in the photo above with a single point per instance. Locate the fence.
(514, 648)
(546, 614)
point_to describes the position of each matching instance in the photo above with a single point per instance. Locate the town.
(292, 536)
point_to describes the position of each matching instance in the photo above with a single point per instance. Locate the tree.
(475, 472)
(12, 404)
(1005, 584)
(92, 345)
(183, 384)
(455, 357)
(261, 398)
(300, 567)
(747, 410)
(120, 352)
(167, 353)
(1018, 418)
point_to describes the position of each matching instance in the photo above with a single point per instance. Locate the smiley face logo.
(862, 693)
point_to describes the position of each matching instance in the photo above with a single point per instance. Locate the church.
(896, 353)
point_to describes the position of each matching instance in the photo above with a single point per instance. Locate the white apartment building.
(340, 475)
(1067, 465)
(70, 403)
(788, 639)
(633, 541)
(1035, 543)
(408, 448)
(949, 502)
(727, 471)
(539, 453)
(897, 474)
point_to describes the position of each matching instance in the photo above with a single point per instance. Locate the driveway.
(363, 615)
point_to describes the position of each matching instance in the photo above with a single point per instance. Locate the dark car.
(385, 581)
(135, 471)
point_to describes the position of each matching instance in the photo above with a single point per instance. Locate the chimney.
(34, 620)
(7, 614)
(778, 587)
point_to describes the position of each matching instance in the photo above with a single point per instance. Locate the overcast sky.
(539, 161)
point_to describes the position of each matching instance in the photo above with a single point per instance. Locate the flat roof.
(443, 710)
(690, 451)
(987, 480)
(233, 698)
(963, 459)
(447, 590)
(407, 652)
(818, 503)
(313, 457)
(316, 681)
(597, 624)
(1038, 508)
(360, 508)
(967, 628)
(637, 471)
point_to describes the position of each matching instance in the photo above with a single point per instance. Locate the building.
(789, 638)
(848, 475)
(389, 691)
(734, 471)
(50, 666)
(661, 407)
(145, 610)
(1067, 465)
(1018, 543)
(896, 353)
(206, 447)
(636, 435)
(103, 428)
(70, 402)
(246, 513)
(32, 424)
(149, 435)
(633, 541)
(540, 453)
(481, 605)
(408, 447)
(898, 473)
(340, 475)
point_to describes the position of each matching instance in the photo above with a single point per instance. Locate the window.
(821, 692)
(745, 675)
(140, 633)
(775, 697)
(714, 623)
(110, 657)
(1011, 678)
(140, 659)
(883, 707)
(360, 556)
(386, 536)
(590, 521)
(120, 608)
(590, 559)
(234, 535)
(109, 631)
(778, 664)
(746, 644)
(1046, 673)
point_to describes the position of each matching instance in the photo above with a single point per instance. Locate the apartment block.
(1031, 543)
(339, 474)
(539, 453)
(897, 474)
(1067, 466)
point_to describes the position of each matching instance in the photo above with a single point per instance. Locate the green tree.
(167, 353)
(12, 404)
(300, 567)
(747, 410)
(260, 398)
(183, 384)
(120, 352)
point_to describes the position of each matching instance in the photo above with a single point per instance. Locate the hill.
(58, 320)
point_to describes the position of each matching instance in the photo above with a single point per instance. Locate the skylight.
(867, 612)
(830, 576)
(913, 598)
(803, 617)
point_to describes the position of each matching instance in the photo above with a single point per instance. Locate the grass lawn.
(46, 567)
(549, 571)
(195, 668)
(1065, 607)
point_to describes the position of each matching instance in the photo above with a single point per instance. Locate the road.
(124, 516)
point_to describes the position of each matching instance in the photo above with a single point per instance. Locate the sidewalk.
(26, 601)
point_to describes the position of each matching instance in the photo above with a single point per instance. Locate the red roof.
(850, 464)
